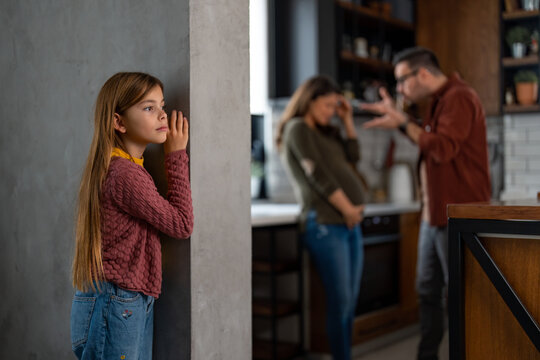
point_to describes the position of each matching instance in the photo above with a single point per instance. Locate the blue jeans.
(112, 324)
(338, 255)
(431, 279)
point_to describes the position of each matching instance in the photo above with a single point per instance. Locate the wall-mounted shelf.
(509, 109)
(528, 60)
(375, 15)
(373, 64)
(520, 14)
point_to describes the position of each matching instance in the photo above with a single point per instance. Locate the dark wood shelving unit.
(384, 35)
(510, 65)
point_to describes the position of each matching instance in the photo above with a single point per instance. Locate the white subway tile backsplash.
(509, 179)
(515, 135)
(522, 149)
(516, 164)
(508, 122)
(522, 156)
(533, 136)
(527, 121)
(527, 178)
(515, 192)
(533, 164)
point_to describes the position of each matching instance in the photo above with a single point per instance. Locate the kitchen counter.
(269, 213)
(494, 267)
(528, 209)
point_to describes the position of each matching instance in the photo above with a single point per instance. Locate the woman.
(319, 162)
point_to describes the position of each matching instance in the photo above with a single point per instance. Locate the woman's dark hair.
(298, 106)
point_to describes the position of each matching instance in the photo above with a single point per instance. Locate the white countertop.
(268, 213)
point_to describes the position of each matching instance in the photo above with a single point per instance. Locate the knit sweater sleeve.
(134, 191)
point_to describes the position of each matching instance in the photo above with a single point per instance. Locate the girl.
(319, 162)
(117, 264)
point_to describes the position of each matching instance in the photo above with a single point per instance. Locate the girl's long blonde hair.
(119, 93)
(298, 106)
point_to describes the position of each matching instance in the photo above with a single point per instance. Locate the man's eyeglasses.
(400, 80)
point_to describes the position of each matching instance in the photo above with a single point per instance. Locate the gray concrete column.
(220, 163)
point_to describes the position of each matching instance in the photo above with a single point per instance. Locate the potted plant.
(517, 38)
(535, 36)
(526, 87)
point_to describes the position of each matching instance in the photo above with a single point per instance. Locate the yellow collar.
(121, 153)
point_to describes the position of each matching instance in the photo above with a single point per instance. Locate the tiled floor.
(404, 349)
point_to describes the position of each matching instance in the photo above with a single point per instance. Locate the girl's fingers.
(172, 125)
(186, 126)
(180, 122)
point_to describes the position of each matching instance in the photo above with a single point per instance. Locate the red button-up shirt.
(454, 148)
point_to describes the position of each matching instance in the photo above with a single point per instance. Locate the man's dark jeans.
(431, 280)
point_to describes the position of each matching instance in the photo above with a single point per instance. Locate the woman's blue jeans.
(112, 324)
(338, 255)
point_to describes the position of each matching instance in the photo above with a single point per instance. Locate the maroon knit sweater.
(132, 215)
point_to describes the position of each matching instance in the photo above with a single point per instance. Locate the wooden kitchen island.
(494, 280)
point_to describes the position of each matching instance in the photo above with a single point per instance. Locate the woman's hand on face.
(344, 109)
(178, 134)
(354, 215)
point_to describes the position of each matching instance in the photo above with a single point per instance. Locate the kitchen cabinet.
(494, 292)
(277, 257)
(510, 65)
(387, 300)
(390, 235)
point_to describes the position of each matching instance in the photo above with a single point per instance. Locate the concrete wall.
(55, 57)
(220, 168)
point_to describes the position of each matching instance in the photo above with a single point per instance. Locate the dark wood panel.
(280, 266)
(465, 36)
(409, 228)
(263, 307)
(262, 349)
(492, 332)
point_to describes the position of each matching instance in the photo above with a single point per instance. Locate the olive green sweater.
(319, 162)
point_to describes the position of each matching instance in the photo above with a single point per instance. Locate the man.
(453, 168)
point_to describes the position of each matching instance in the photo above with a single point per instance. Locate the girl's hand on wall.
(178, 135)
